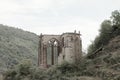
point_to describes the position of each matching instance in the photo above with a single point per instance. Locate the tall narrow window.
(55, 52)
(49, 54)
(52, 52)
(63, 41)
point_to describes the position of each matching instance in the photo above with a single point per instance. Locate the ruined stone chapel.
(55, 49)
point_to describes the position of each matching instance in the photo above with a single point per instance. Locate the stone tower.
(55, 49)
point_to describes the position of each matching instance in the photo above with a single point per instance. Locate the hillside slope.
(16, 45)
(106, 62)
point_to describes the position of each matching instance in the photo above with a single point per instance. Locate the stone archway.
(52, 51)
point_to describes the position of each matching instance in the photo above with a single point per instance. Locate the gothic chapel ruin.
(55, 49)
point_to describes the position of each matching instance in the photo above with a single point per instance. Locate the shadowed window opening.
(52, 52)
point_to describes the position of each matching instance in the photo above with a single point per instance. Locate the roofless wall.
(55, 49)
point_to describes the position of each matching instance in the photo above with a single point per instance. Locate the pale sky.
(58, 16)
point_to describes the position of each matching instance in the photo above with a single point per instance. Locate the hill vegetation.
(15, 46)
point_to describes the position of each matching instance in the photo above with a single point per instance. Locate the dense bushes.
(109, 29)
(25, 71)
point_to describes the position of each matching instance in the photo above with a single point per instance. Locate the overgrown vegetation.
(104, 67)
(66, 71)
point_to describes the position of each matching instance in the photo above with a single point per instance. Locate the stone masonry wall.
(59, 48)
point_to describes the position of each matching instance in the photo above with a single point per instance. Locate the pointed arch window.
(52, 51)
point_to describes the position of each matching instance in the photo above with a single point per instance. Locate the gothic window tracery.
(52, 51)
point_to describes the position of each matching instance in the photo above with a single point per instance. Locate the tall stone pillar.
(40, 51)
(45, 56)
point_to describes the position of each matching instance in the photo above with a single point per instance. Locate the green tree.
(91, 48)
(20, 72)
(105, 33)
(115, 17)
(24, 68)
(103, 38)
